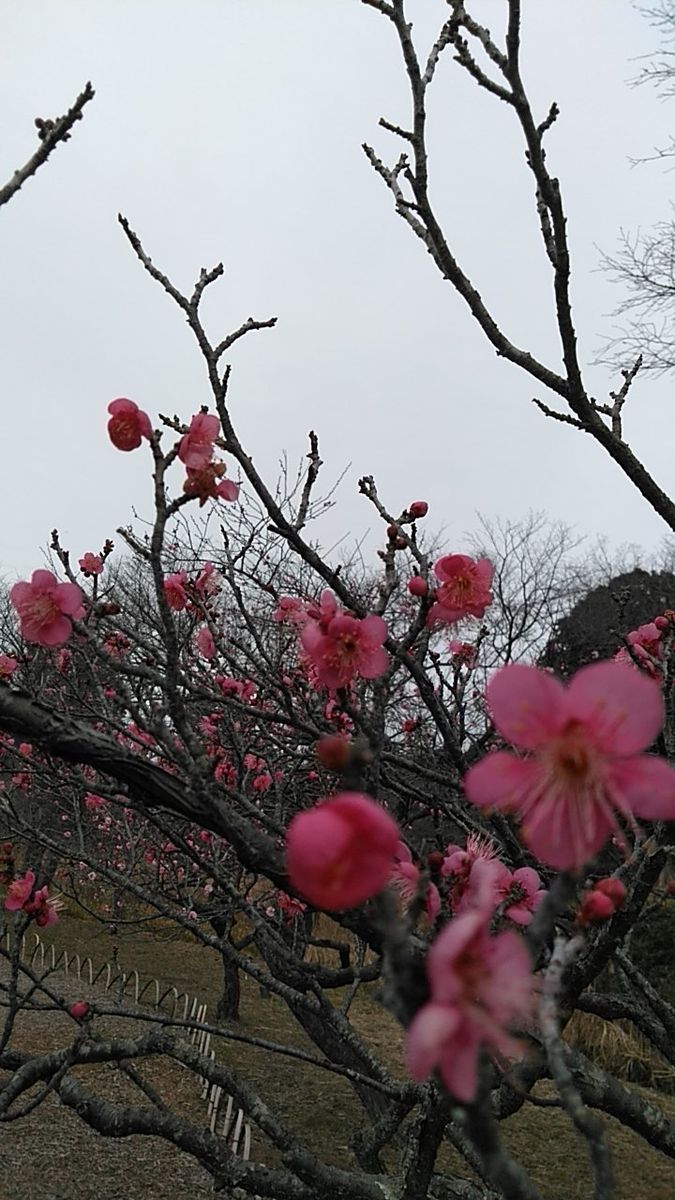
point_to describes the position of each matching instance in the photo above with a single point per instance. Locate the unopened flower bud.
(79, 1010)
(595, 907)
(417, 586)
(418, 508)
(612, 887)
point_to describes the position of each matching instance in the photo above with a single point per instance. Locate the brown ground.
(52, 1156)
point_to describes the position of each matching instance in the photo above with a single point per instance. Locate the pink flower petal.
(647, 786)
(374, 664)
(459, 1065)
(69, 599)
(622, 708)
(374, 629)
(527, 705)
(501, 781)
(434, 1025)
(565, 830)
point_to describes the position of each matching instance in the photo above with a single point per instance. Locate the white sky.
(231, 129)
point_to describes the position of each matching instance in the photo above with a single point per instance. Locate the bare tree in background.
(643, 266)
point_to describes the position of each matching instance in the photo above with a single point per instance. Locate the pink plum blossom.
(646, 648)
(341, 852)
(341, 648)
(583, 763)
(174, 590)
(205, 643)
(203, 483)
(195, 448)
(206, 583)
(291, 609)
(39, 904)
(19, 891)
(405, 877)
(290, 907)
(44, 908)
(479, 987)
(463, 590)
(8, 665)
(463, 653)
(525, 894)
(46, 608)
(91, 564)
(128, 424)
(465, 882)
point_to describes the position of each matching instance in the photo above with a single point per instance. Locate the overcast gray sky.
(231, 129)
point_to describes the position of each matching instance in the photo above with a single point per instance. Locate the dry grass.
(620, 1049)
(316, 1104)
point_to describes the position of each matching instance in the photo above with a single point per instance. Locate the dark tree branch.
(50, 133)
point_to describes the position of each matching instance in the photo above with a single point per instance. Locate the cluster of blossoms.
(645, 646)
(128, 425)
(22, 895)
(480, 986)
(180, 592)
(515, 895)
(337, 647)
(342, 853)
(203, 475)
(601, 901)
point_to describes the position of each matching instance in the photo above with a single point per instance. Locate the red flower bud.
(595, 907)
(661, 622)
(417, 586)
(79, 1010)
(418, 508)
(612, 887)
(392, 532)
(333, 752)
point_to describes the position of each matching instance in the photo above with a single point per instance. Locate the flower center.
(456, 590)
(43, 611)
(472, 971)
(573, 758)
(346, 648)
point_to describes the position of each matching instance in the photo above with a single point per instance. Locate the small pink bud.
(79, 1010)
(661, 622)
(417, 586)
(418, 508)
(595, 907)
(341, 853)
(612, 887)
